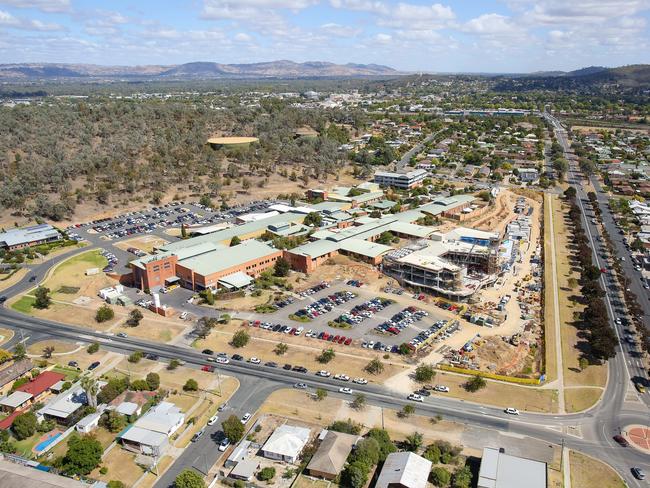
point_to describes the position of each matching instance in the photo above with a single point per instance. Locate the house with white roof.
(286, 443)
(150, 433)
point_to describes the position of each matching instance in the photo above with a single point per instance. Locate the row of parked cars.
(363, 311)
(434, 329)
(401, 320)
(284, 329)
(325, 304)
(112, 261)
(314, 289)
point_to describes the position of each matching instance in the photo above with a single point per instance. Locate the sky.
(410, 35)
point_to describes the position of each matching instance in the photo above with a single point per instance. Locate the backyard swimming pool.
(41, 446)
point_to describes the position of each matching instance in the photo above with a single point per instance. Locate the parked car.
(300, 386)
(208, 351)
(360, 381)
(415, 397)
(237, 357)
(223, 445)
(342, 377)
(346, 390)
(254, 360)
(247, 416)
(198, 435)
(324, 373)
(93, 365)
(122, 334)
(441, 388)
(222, 360)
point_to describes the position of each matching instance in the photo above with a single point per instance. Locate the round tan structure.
(231, 141)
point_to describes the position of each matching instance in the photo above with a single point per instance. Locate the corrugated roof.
(332, 453)
(227, 257)
(500, 470)
(41, 383)
(316, 249)
(364, 248)
(25, 235)
(236, 280)
(16, 399)
(405, 469)
(287, 440)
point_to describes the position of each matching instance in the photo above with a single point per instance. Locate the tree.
(355, 475)
(42, 298)
(135, 316)
(326, 356)
(93, 348)
(375, 366)
(207, 296)
(462, 478)
(115, 484)
(235, 241)
(191, 385)
(205, 201)
(233, 428)
(313, 219)
(382, 437)
(367, 451)
(572, 282)
(114, 421)
(189, 479)
(440, 477)
(240, 338)
(413, 442)
(24, 425)
(424, 373)
(476, 383)
(104, 313)
(84, 454)
(173, 364)
(224, 318)
(321, 394)
(385, 237)
(19, 351)
(281, 267)
(407, 410)
(89, 385)
(281, 349)
(135, 357)
(345, 427)
(359, 401)
(583, 362)
(266, 474)
(153, 381)
(47, 352)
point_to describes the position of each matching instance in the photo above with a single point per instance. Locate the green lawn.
(24, 305)
(71, 374)
(90, 259)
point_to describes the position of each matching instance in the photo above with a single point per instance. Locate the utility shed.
(404, 470)
(501, 470)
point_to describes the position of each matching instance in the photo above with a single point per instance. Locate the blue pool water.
(43, 444)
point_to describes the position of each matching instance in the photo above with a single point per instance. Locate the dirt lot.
(60, 347)
(302, 351)
(70, 274)
(5, 335)
(144, 243)
(587, 472)
(152, 328)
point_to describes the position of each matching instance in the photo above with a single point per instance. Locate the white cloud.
(242, 37)
(8, 20)
(50, 6)
(383, 38)
(494, 25)
(340, 30)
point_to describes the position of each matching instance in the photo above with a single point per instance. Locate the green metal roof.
(316, 249)
(365, 248)
(227, 257)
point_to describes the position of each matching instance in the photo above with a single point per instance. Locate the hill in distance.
(196, 70)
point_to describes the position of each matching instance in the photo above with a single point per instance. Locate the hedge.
(508, 379)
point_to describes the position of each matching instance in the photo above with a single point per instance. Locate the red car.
(341, 340)
(348, 341)
(325, 336)
(256, 323)
(209, 369)
(336, 338)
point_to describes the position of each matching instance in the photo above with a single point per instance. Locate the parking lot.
(364, 330)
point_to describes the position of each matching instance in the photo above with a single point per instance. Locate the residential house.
(329, 460)
(286, 443)
(404, 470)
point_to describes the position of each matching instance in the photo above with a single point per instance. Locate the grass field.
(587, 472)
(59, 347)
(24, 305)
(549, 305)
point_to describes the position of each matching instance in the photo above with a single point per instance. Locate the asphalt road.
(401, 164)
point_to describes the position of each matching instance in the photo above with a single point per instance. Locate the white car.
(247, 416)
(223, 445)
(511, 411)
(300, 386)
(360, 381)
(213, 420)
(442, 388)
(223, 360)
(342, 377)
(183, 316)
(415, 397)
(323, 373)
(254, 360)
(347, 391)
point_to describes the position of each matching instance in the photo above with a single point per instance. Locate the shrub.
(266, 474)
(240, 339)
(135, 357)
(153, 381)
(345, 426)
(233, 428)
(424, 373)
(326, 356)
(189, 479)
(103, 470)
(83, 455)
(24, 425)
(104, 313)
(440, 477)
(475, 383)
(93, 348)
(191, 385)
(375, 367)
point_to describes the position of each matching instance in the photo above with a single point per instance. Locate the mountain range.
(197, 70)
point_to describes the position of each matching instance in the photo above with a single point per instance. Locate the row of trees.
(596, 329)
